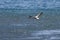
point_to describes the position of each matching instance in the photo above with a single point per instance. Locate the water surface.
(15, 25)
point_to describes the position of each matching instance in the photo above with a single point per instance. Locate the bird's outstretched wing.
(38, 15)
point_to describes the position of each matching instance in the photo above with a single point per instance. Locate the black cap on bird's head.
(30, 16)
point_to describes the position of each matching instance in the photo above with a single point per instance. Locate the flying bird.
(37, 16)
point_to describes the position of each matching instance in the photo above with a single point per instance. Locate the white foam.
(55, 38)
(46, 32)
(44, 35)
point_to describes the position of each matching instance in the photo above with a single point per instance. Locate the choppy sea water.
(15, 25)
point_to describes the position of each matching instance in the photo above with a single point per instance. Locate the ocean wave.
(18, 24)
(46, 32)
(44, 35)
(23, 24)
(55, 38)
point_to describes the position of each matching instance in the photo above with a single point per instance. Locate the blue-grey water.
(15, 25)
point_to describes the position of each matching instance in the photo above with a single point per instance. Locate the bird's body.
(37, 16)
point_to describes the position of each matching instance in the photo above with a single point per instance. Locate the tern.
(37, 16)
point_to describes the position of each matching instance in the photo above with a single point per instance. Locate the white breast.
(36, 17)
